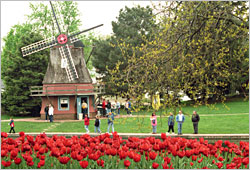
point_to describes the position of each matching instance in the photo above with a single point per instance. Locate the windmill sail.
(70, 66)
(38, 46)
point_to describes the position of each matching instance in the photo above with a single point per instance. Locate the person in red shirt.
(86, 123)
(12, 125)
(103, 107)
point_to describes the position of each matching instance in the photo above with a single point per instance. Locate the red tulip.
(163, 136)
(213, 162)
(152, 155)
(137, 157)
(4, 135)
(245, 161)
(17, 160)
(84, 164)
(220, 159)
(165, 165)
(31, 163)
(21, 133)
(100, 162)
(79, 157)
(123, 155)
(194, 158)
(42, 157)
(64, 160)
(155, 165)
(6, 164)
(167, 159)
(219, 165)
(4, 153)
(127, 163)
(191, 163)
(131, 154)
(199, 161)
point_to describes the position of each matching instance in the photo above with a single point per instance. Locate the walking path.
(121, 116)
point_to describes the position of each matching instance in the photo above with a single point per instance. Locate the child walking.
(153, 122)
(86, 123)
(171, 123)
(97, 124)
(12, 125)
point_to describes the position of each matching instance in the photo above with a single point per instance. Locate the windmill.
(63, 41)
(65, 85)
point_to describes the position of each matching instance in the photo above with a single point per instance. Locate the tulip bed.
(113, 152)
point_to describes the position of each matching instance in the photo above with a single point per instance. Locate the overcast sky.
(92, 13)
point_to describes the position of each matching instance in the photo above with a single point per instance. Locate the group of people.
(180, 118)
(97, 124)
(49, 112)
(107, 107)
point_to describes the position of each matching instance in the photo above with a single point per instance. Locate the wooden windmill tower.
(67, 82)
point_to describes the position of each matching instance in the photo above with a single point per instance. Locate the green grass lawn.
(7, 117)
(236, 106)
(221, 124)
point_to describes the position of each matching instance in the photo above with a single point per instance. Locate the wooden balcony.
(67, 90)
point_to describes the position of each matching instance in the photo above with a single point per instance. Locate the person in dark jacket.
(171, 123)
(108, 106)
(46, 110)
(195, 120)
(12, 125)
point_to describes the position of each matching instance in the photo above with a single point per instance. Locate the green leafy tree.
(19, 73)
(133, 26)
(201, 49)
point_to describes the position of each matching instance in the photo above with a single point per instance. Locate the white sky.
(92, 13)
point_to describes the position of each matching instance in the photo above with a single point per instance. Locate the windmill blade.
(38, 46)
(70, 68)
(57, 17)
(90, 55)
(76, 36)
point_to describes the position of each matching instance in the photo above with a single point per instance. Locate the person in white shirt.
(180, 119)
(51, 112)
(118, 106)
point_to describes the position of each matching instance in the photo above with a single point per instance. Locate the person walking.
(84, 108)
(111, 118)
(180, 118)
(118, 107)
(195, 120)
(12, 125)
(86, 123)
(108, 106)
(171, 123)
(46, 110)
(104, 107)
(126, 107)
(129, 108)
(153, 122)
(51, 113)
(97, 124)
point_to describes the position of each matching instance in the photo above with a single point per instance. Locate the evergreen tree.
(19, 73)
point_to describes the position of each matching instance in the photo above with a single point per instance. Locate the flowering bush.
(113, 152)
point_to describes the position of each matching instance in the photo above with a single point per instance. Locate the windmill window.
(63, 103)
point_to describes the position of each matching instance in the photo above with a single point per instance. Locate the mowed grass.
(230, 107)
(7, 117)
(220, 124)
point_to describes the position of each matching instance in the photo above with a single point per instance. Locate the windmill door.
(80, 100)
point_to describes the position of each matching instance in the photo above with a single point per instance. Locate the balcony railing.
(52, 90)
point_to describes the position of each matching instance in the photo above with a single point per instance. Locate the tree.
(201, 48)
(19, 73)
(134, 26)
